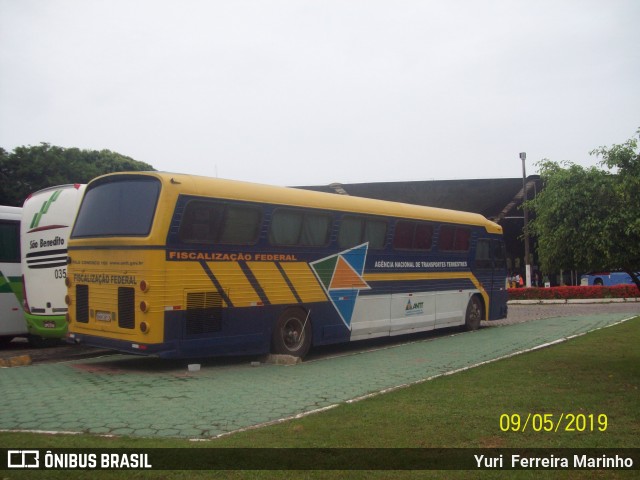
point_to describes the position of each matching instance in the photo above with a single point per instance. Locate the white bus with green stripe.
(12, 322)
(48, 216)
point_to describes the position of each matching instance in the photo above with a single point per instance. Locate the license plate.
(103, 316)
(49, 324)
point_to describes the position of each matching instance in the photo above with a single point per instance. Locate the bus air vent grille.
(204, 313)
(126, 307)
(82, 303)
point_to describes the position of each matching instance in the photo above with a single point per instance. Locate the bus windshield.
(118, 206)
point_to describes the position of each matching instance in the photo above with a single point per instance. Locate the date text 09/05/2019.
(550, 422)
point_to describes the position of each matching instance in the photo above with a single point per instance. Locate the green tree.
(29, 169)
(589, 218)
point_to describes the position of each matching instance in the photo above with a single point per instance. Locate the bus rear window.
(118, 206)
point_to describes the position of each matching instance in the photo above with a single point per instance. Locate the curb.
(573, 301)
(15, 361)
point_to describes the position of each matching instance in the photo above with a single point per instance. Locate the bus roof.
(13, 213)
(287, 196)
(77, 186)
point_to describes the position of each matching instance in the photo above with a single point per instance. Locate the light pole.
(523, 157)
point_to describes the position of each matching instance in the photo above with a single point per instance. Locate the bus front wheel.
(292, 333)
(474, 314)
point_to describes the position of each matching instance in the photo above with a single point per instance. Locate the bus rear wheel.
(292, 333)
(474, 314)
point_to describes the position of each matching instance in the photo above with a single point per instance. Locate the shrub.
(565, 293)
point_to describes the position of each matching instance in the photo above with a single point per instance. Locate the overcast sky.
(296, 92)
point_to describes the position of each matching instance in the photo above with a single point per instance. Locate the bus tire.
(474, 314)
(292, 333)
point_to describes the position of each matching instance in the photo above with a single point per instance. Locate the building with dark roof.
(498, 199)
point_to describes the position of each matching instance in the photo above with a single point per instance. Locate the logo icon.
(341, 278)
(415, 308)
(44, 209)
(23, 459)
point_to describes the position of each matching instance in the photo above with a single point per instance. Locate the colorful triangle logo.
(341, 277)
(345, 277)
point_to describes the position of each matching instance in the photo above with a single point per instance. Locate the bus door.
(490, 264)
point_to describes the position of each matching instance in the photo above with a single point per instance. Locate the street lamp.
(523, 157)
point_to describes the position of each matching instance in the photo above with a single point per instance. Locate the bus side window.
(463, 235)
(241, 225)
(412, 236)
(298, 227)
(423, 236)
(201, 222)
(358, 230)
(483, 254)
(454, 239)
(315, 229)
(350, 233)
(375, 232)
(403, 235)
(285, 227)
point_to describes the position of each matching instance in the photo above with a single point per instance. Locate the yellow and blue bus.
(182, 266)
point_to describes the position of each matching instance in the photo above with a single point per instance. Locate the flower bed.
(565, 293)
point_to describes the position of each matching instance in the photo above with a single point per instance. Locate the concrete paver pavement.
(147, 397)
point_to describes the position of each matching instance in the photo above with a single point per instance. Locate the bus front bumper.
(46, 326)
